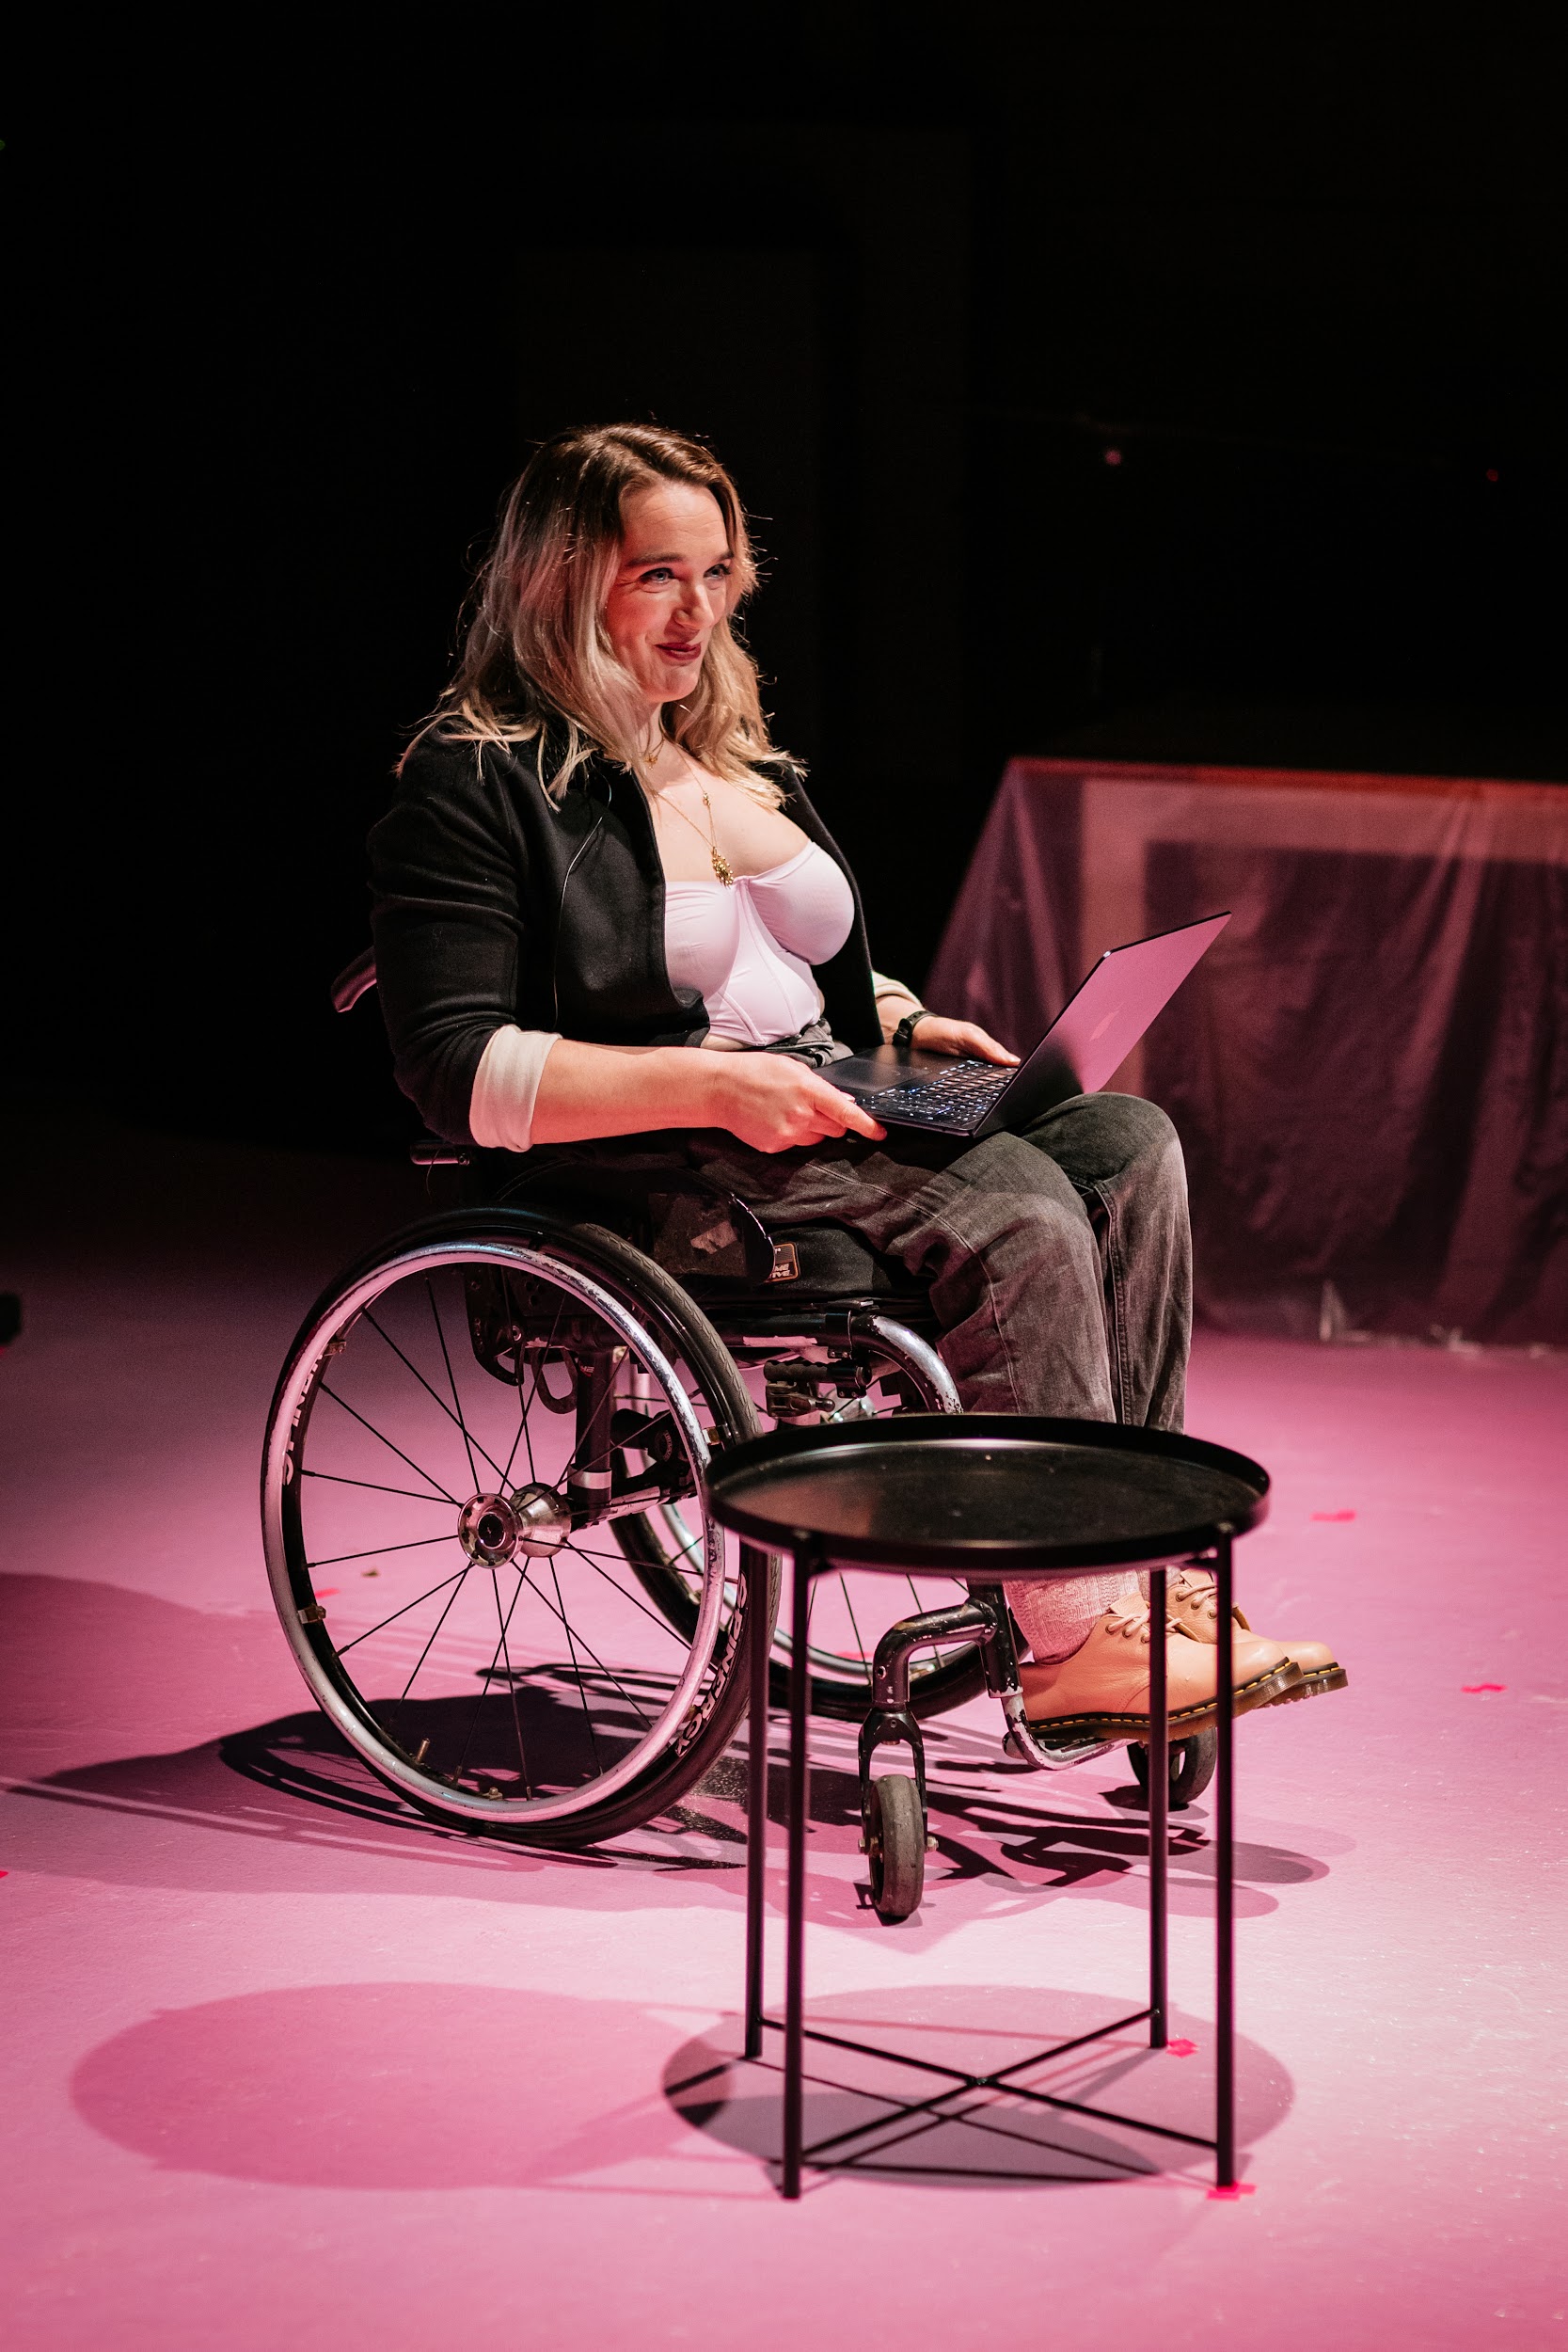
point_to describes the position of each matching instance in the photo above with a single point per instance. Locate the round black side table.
(983, 1496)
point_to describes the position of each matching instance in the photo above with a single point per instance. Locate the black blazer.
(490, 903)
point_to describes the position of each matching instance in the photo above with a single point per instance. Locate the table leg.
(759, 1630)
(803, 1568)
(1159, 1811)
(1224, 1885)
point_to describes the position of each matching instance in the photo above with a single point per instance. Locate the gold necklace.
(721, 866)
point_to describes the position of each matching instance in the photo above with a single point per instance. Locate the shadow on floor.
(296, 1808)
(439, 2085)
(870, 2117)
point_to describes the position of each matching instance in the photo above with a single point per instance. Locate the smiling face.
(671, 588)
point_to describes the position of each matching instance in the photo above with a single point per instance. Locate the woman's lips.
(691, 652)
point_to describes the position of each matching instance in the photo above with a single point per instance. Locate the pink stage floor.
(285, 2072)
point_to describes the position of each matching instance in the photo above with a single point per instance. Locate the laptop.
(1088, 1040)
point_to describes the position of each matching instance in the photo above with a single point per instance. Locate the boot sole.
(1261, 1692)
(1312, 1686)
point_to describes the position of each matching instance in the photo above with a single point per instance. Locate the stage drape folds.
(1368, 1071)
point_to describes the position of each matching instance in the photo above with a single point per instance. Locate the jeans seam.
(1116, 1331)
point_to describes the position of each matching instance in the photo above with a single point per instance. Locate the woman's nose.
(699, 604)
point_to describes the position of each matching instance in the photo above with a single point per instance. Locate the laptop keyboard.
(969, 1088)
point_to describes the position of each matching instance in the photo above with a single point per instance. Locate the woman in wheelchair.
(610, 928)
(616, 949)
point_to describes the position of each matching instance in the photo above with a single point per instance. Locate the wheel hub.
(532, 1520)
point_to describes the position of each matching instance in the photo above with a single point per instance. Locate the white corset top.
(747, 947)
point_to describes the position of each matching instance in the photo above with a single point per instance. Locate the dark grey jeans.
(1059, 1259)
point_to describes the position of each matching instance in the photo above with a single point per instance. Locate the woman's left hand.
(935, 1033)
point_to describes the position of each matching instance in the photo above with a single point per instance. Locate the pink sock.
(1057, 1618)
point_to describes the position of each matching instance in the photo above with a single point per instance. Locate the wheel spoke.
(412, 1493)
(681, 1549)
(860, 1644)
(396, 1449)
(652, 1614)
(452, 1382)
(590, 1553)
(577, 1670)
(607, 1671)
(416, 1543)
(456, 1588)
(511, 1679)
(528, 1434)
(344, 1648)
(523, 1430)
(434, 1397)
(691, 1544)
(484, 1686)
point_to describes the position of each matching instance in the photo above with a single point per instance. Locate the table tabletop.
(986, 1494)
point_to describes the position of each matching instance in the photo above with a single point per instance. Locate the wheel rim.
(374, 1365)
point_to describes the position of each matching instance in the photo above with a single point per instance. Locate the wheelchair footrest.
(1045, 1755)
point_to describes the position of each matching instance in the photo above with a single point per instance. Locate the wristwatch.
(904, 1034)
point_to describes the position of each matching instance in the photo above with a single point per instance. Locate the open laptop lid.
(1083, 1046)
(1100, 1024)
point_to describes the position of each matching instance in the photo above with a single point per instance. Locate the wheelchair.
(483, 1521)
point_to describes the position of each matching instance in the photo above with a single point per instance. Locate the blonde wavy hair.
(536, 658)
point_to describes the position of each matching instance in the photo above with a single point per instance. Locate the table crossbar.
(997, 2080)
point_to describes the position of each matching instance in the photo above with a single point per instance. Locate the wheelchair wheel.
(895, 1846)
(1191, 1766)
(500, 1421)
(850, 1611)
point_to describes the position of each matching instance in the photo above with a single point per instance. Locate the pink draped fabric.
(1369, 1069)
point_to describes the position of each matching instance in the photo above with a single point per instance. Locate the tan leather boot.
(1102, 1691)
(1191, 1603)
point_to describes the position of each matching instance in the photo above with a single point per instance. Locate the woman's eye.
(661, 571)
(719, 571)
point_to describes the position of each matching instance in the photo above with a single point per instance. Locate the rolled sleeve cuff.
(506, 1085)
(883, 986)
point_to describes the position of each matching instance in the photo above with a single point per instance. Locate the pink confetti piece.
(1472, 1689)
(1181, 2049)
(1229, 2196)
(1334, 1517)
(327, 1591)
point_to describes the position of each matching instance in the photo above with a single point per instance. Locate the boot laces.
(1186, 1586)
(1130, 1620)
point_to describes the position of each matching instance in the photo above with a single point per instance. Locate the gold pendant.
(722, 868)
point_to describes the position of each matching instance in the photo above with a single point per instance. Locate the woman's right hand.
(776, 1104)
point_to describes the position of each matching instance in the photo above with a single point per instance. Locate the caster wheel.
(1191, 1766)
(895, 1847)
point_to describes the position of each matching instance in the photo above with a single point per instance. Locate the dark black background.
(295, 320)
